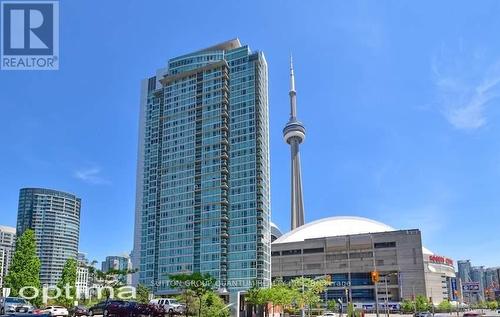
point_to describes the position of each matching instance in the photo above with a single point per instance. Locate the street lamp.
(375, 270)
(387, 293)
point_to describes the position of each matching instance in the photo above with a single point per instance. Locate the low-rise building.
(82, 282)
(348, 249)
(7, 246)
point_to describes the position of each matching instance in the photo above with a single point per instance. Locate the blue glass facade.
(205, 172)
(54, 216)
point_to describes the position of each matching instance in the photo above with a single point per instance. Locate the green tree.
(308, 291)
(482, 305)
(142, 294)
(493, 305)
(25, 268)
(422, 303)
(113, 279)
(187, 297)
(213, 306)
(407, 306)
(255, 296)
(445, 306)
(67, 284)
(197, 283)
(282, 296)
(331, 305)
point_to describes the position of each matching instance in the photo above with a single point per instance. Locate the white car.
(9, 305)
(56, 311)
(169, 304)
(328, 314)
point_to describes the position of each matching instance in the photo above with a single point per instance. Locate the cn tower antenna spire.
(294, 134)
(292, 93)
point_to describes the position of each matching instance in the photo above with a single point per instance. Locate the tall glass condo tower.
(55, 218)
(203, 196)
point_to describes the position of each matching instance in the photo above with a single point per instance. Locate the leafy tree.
(407, 306)
(308, 291)
(493, 305)
(445, 306)
(331, 305)
(197, 283)
(187, 297)
(111, 279)
(213, 306)
(25, 268)
(422, 303)
(67, 284)
(142, 294)
(283, 296)
(482, 305)
(255, 296)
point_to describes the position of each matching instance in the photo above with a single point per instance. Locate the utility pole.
(303, 312)
(375, 283)
(414, 299)
(386, 296)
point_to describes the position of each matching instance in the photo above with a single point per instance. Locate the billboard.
(471, 287)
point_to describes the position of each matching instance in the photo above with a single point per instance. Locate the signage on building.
(471, 287)
(440, 260)
(341, 284)
(454, 292)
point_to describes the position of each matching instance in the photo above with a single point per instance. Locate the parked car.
(171, 306)
(78, 311)
(15, 305)
(134, 309)
(472, 314)
(114, 308)
(423, 314)
(55, 311)
(159, 311)
(329, 314)
(106, 308)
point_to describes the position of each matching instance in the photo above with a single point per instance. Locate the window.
(291, 252)
(380, 245)
(313, 250)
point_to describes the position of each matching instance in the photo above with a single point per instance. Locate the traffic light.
(375, 276)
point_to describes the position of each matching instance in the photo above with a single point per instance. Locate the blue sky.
(400, 100)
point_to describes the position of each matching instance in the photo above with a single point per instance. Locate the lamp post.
(387, 293)
(375, 270)
(386, 297)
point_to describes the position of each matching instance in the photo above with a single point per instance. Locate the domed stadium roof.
(275, 231)
(336, 226)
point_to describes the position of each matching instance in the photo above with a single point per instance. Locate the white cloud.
(466, 84)
(91, 175)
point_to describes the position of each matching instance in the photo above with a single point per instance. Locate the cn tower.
(294, 134)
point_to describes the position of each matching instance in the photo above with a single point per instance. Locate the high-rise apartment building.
(491, 278)
(203, 197)
(464, 270)
(7, 245)
(55, 218)
(115, 262)
(121, 263)
(477, 275)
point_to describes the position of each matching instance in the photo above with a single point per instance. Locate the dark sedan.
(106, 308)
(78, 311)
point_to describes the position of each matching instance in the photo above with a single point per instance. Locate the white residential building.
(82, 282)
